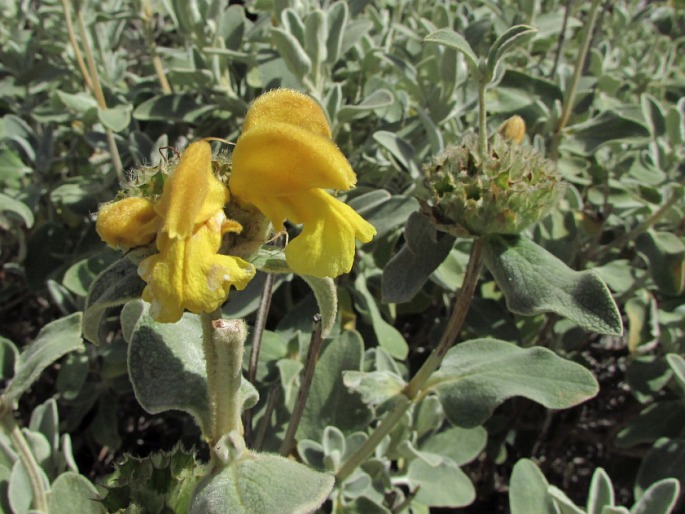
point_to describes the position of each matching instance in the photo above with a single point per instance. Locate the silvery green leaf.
(337, 15)
(260, 483)
(528, 490)
(292, 52)
(601, 493)
(55, 340)
(535, 281)
(442, 485)
(478, 375)
(659, 498)
(451, 39)
(516, 35)
(71, 493)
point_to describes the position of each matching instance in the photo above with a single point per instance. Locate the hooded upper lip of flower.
(282, 164)
(188, 222)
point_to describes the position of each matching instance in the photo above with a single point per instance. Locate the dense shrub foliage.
(510, 340)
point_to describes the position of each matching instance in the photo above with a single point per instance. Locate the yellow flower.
(128, 223)
(188, 223)
(190, 273)
(282, 164)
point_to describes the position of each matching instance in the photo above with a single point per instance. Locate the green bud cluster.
(511, 189)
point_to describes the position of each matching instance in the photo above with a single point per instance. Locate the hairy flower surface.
(187, 222)
(282, 164)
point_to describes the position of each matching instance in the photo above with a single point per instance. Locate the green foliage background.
(393, 102)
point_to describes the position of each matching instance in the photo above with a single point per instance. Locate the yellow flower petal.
(128, 223)
(287, 106)
(281, 164)
(326, 246)
(189, 274)
(192, 194)
(281, 159)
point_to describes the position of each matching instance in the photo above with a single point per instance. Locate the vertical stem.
(92, 79)
(150, 40)
(482, 123)
(90, 61)
(305, 383)
(223, 342)
(570, 96)
(74, 45)
(257, 334)
(413, 388)
(562, 37)
(456, 321)
(40, 499)
(367, 447)
(271, 399)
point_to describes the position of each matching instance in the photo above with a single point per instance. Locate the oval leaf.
(55, 340)
(478, 375)
(167, 367)
(72, 492)
(535, 281)
(528, 490)
(259, 483)
(118, 284)
(451, 39)
(9, 204)
(507, 41)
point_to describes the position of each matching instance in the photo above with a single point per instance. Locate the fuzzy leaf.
(115, 286)
(528, 490)
(534, 281)
(167, 368)
(451, 39)
(608, 127)
(506, 42)
(660, 498)
(443, 485)
(601, 492)
(259, 483)
(72, 492)
(330, 403)
(425, 249)
(478, 375)
(292, 52)
(55, 340)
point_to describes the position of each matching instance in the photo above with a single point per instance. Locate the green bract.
(512, 188)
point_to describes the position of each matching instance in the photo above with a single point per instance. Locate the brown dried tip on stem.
(513, 129)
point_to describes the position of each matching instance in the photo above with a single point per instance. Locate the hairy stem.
(454, 324)
(412, 392)
(223, 343)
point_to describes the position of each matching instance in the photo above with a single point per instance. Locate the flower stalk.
(223, 343)
(413, 390)
(305, 384)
